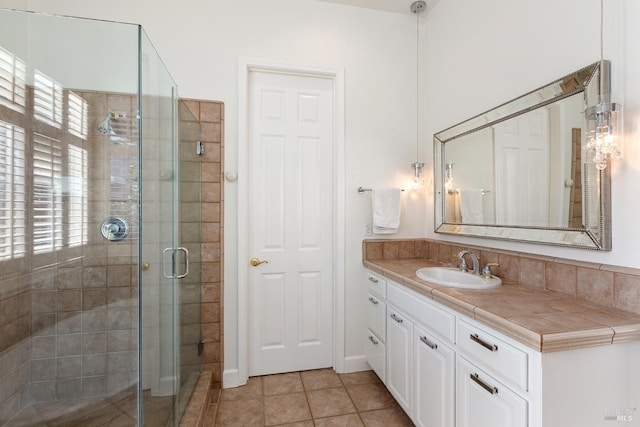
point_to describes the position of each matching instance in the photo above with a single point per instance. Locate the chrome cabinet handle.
(373, 279)
(373, 340)
(476, 338)
(396, 318)
(373, 301)
(431, 345)
(487, 387)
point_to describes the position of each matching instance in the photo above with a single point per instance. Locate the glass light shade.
(603, 132)
(418, 179)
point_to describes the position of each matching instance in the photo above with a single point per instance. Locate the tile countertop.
(543, 320)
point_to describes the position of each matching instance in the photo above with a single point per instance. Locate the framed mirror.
(520, 171)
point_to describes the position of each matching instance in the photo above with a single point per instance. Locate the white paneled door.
(522, 169)
(291, 138)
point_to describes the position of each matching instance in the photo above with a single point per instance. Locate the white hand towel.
(471, 206)
(386, 210)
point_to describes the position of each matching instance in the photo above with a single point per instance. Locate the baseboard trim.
(230, 379)
(355, 364)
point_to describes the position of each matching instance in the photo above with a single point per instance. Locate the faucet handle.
(486, 271)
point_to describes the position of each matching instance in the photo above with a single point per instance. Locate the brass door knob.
(256, 262)
(145, 266)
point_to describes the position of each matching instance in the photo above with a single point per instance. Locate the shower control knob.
(114, 228)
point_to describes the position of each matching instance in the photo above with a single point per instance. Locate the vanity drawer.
(376, 284)
(502, 359)
(423, 311)
(376, 312)
(376, 352)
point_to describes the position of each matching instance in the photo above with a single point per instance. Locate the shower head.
(104, 127)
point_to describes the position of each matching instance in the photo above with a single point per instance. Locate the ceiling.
(396, 6)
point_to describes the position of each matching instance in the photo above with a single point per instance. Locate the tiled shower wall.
(210, 114)
(68, 316)
(607, 285)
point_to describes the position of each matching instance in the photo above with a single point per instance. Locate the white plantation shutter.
(12, 192)
(47, 202)
(76, 192)
(47, 99)
(13, 72)
(49, 161)
(77, 115)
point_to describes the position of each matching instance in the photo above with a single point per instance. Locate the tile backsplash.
(606, 285)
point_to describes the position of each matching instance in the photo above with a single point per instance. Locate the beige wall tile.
(561, 278)
(390, 250)
(595, 286)
(373, 250)
(407, 249)
(211, 112)
(627, 292)
(211, 132)
(533, 273)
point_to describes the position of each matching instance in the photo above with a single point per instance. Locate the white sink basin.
(448, 276)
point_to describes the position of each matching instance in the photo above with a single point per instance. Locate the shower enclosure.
(92, 269)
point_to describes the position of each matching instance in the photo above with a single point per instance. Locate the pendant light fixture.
(603, 120)
(417, 8)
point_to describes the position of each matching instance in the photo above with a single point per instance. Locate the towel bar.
(482, 191)
(362, 189)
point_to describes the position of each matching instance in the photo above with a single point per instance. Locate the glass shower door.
(163, 262)
(95, 324)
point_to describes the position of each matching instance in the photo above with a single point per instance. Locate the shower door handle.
(185, 251)
(173, 274)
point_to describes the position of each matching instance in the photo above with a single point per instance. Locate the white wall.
(201, 44)
(482, 54)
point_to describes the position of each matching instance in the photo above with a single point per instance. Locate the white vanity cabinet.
(420, 360)
(489, 369)
(434, 373)
(375, 344)
(446, 369)
(400, 357)
(442, 368)
(483, 401)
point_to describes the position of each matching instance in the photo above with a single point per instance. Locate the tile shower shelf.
(545, 321)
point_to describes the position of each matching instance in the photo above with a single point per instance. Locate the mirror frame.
(596, 231)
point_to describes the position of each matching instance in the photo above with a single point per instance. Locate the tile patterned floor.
(308, 398)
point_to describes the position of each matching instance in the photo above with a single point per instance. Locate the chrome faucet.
(474, 260)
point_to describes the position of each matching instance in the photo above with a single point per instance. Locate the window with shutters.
(43, 173)
(47, 99)
(77, 115)
(77, 196)
(12, 192)
(47, 196)
(13, 72)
